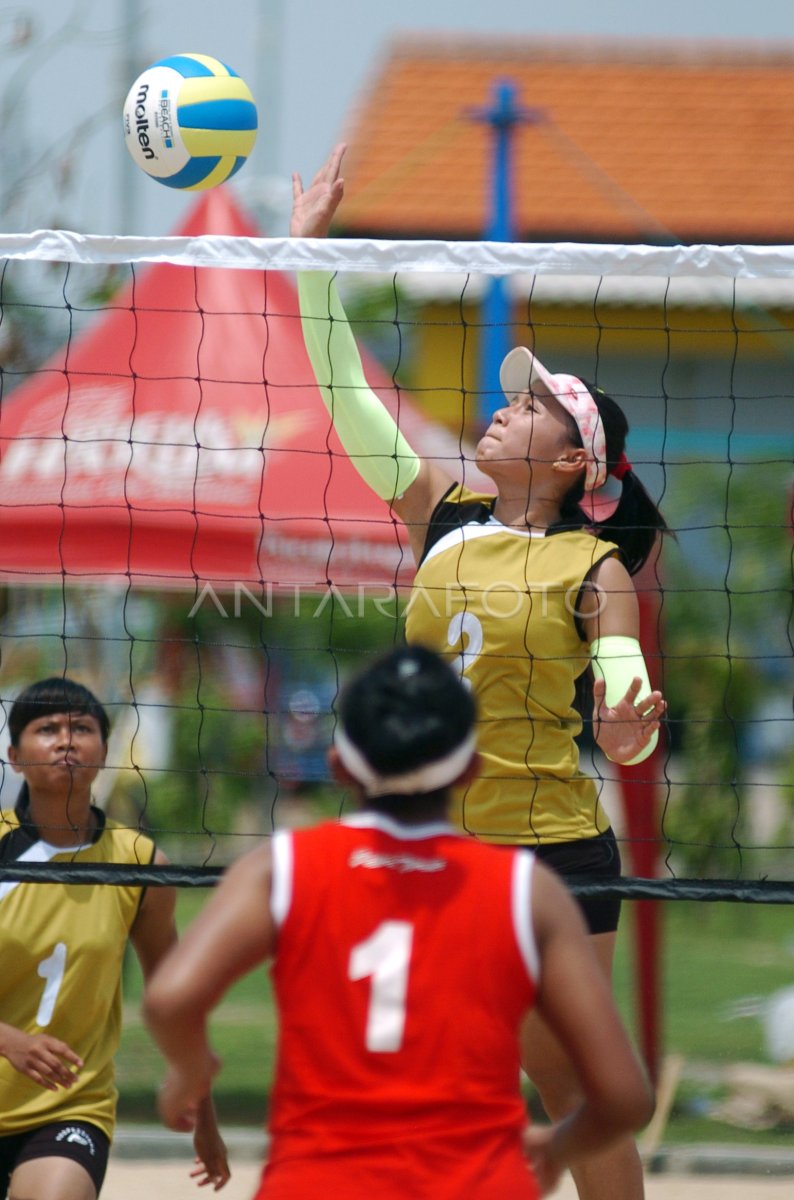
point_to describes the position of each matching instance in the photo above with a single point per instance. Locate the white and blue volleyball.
(190, 121)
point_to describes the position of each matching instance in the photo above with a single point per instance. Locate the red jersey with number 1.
(405, 961)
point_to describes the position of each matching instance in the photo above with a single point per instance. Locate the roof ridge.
(580, 48)
(645, 136)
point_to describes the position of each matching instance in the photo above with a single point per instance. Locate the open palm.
(624, 730)
(313, 209)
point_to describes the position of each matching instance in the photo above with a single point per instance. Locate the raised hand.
(624, 731)
(314, 209)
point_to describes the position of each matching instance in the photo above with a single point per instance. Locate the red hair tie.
(621, 467)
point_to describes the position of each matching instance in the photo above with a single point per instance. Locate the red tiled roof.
(651, 141)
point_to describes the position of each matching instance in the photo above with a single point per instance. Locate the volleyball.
(189, 121)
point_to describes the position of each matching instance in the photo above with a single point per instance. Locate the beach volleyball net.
(181, 531)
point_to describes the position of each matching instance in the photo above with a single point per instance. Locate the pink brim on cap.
(521, 373)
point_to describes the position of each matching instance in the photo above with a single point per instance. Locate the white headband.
(429, 778)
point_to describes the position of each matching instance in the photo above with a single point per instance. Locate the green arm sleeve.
(369, 435)
(619, 661)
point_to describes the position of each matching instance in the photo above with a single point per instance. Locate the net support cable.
(767, 891)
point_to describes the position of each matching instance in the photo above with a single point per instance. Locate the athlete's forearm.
(9, 1036)
(619, 661)
(180, 1030)
(369, 435)
(596, 1126)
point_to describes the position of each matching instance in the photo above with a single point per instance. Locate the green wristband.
(619, 661)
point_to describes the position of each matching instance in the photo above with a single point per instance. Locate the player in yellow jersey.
(524, 590)
(63, 947)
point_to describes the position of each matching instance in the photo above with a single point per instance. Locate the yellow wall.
(444, 371)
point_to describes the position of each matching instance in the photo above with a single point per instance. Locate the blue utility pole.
(503, 115)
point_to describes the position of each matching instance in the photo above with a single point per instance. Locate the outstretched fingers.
(329, 171)
(626, 729)
(313, 208)
(651, 708)
(215, 1175)
(46, 1060)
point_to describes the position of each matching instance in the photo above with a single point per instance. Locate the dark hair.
(55, 695)
(407, 710)
(636, 522)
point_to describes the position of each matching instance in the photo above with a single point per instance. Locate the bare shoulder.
(417, 505)
(236, 925)
(611, 575)
(611, 606)
(247, 880)
(253, 867)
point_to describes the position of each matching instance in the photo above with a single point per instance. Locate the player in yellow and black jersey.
(524, 590)
(62, 946)
(505, 595)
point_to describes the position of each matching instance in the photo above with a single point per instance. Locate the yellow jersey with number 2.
(500, 603)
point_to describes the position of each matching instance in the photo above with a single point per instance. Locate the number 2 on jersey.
(51, 970)
(464, 625)
(385, 958)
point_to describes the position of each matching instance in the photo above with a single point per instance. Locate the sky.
(65, 68)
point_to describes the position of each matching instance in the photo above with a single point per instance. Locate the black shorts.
(589, 856)
(79, 1140)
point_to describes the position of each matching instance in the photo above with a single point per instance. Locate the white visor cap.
(521, 373)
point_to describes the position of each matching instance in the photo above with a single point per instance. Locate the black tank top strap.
(456, 508)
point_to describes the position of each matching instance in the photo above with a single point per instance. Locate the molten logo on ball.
(141, 124)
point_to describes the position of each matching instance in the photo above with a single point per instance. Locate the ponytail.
(632, 521)
(635, 524)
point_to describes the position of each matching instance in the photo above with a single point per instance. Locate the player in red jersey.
(404, 959)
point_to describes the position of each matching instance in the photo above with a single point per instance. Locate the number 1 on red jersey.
(385, 957)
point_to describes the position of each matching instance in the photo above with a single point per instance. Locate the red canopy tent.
(182, 439)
